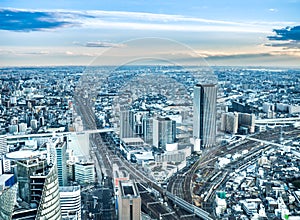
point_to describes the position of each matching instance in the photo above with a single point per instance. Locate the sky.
(76, 32)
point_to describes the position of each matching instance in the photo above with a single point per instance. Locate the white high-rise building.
(70, 202)
(229, 122)
(85, 173)
(22, 127)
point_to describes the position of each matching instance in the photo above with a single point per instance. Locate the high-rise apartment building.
(3, 144)
(230, 122)
(4, 163)
(204, 127)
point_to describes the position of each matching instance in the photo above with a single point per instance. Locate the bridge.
(189, 207)
(265, 142)
(53, 134)
(275, 121)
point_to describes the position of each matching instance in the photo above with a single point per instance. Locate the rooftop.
(69, 188)
(128, 188)
(5, 177)
(24, 154)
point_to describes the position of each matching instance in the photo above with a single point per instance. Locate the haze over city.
(256, 33)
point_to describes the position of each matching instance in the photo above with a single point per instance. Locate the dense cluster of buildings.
(265, 189)
(44, 182)
(158, 121)
(268, 93)
(36, 101)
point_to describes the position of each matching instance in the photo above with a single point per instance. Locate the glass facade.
(205, 100)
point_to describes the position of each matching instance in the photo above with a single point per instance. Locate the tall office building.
(136, 121)
(61, 161)
(129, 201)
(125, 125)
(38, 186)
(70, 201)
(164, 132)
(85, 173)
(148, 129)
(204, 128)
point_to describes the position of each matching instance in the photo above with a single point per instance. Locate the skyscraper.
(148, 129)
(136, 121)
(125, 127)
(164, 132)
(204, 128)
(61, 160)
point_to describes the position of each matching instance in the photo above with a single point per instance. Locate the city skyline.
(223, 33)
(248, 165)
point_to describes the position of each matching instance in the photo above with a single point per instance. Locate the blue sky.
(223, 32)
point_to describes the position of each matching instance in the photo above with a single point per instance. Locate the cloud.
(288, 38)
(256, 59)
(100, 44)
(18, 20)
(37, 20)
(287, 45)
(273, 9)
(238, 56)
(288, 33)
